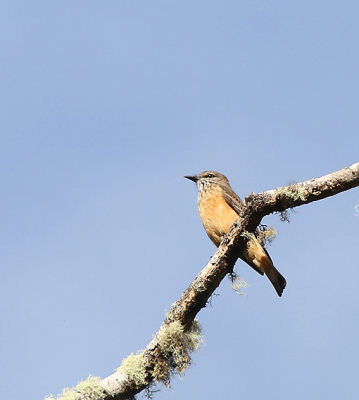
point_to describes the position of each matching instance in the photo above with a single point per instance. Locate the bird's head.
(207, 178)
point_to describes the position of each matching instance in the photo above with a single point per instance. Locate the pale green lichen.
(90, 389)
(237, 283)
(266, 235)
(175, 348)
(293, 191)
(134, 366)
(248, 235)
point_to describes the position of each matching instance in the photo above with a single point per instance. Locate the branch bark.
(119, 385)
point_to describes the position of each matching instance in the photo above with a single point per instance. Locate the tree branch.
(280, 199)
(124, 384)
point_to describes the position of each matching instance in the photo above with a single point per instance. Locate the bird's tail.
(257, 256)
(276, 279)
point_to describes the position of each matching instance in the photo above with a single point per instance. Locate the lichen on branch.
(173, 348)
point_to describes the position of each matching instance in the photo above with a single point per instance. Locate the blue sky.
(104, 106)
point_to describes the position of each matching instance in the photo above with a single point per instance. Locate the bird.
(219, 206)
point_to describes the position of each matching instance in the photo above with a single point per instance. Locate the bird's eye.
(210, 176)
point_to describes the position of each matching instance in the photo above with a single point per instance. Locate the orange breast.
(216, 215)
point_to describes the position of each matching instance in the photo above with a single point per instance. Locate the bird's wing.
(234, 201)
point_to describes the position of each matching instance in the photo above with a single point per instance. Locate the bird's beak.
(193, 178)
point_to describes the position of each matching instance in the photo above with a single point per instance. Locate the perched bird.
(219, 206)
